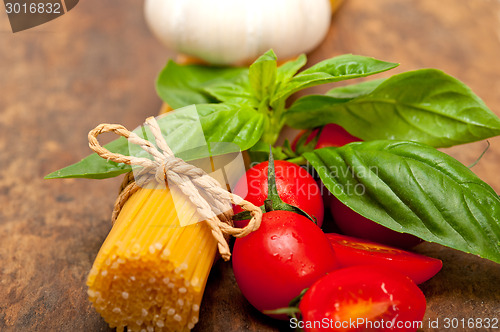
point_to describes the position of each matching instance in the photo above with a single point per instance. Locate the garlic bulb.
(237, 31)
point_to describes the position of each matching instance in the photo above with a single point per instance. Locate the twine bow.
(201, 189)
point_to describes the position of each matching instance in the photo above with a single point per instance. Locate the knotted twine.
(201, 189)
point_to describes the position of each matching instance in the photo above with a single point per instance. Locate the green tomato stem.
(300, 160)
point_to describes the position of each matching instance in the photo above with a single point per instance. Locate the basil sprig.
(265, 86)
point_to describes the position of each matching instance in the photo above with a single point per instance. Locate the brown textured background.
(98, 64)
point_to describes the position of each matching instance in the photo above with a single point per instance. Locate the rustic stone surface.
(98, 64)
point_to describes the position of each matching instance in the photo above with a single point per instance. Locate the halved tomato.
(353, 251)
(362, 298)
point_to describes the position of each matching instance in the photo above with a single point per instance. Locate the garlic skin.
(228, 32)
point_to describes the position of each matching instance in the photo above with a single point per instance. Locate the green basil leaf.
(355, 90)
(426, 105)
(290, 68)
(413, 188)
(262, 75)
(182, 85)
(94, 167)
(216, 123)
(336, 69)
(313, 111)
(284, 74)
(238, 91)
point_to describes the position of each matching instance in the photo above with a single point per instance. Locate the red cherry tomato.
(285, 255)
(331, 135)
(352, 251)
(295, 187)
(353, 224)
(363, 298)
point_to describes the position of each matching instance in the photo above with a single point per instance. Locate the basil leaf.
(182, 85)
(336, 69)
(94, 167)
(313, 111)
(236, 92)
(355, 90)
(284, 74)
(413, 188)
(426, 105)
(262, 75)
(288, 69)
(242, 126)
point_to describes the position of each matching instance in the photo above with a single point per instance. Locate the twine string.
(202, 190)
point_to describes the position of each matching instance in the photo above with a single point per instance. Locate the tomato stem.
(272, 190)
(287, 311)
(268, 205)
(273, 201)
(293, 307)
(300, 160)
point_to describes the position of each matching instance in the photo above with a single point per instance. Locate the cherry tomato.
(295, 187)
(353, 224)
(352, 251)
(363, 298)
(331, 135)
(285, 255)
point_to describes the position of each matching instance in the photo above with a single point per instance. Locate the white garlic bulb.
(237, 31)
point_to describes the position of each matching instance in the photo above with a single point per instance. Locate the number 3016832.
(33, 8)
(471, 323)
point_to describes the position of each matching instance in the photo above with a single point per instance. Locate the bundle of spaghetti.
(151, 271)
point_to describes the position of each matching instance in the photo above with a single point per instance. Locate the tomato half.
(363, 298)
(352, 251)
(285, 255)
(295, 187)
(352, 223)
